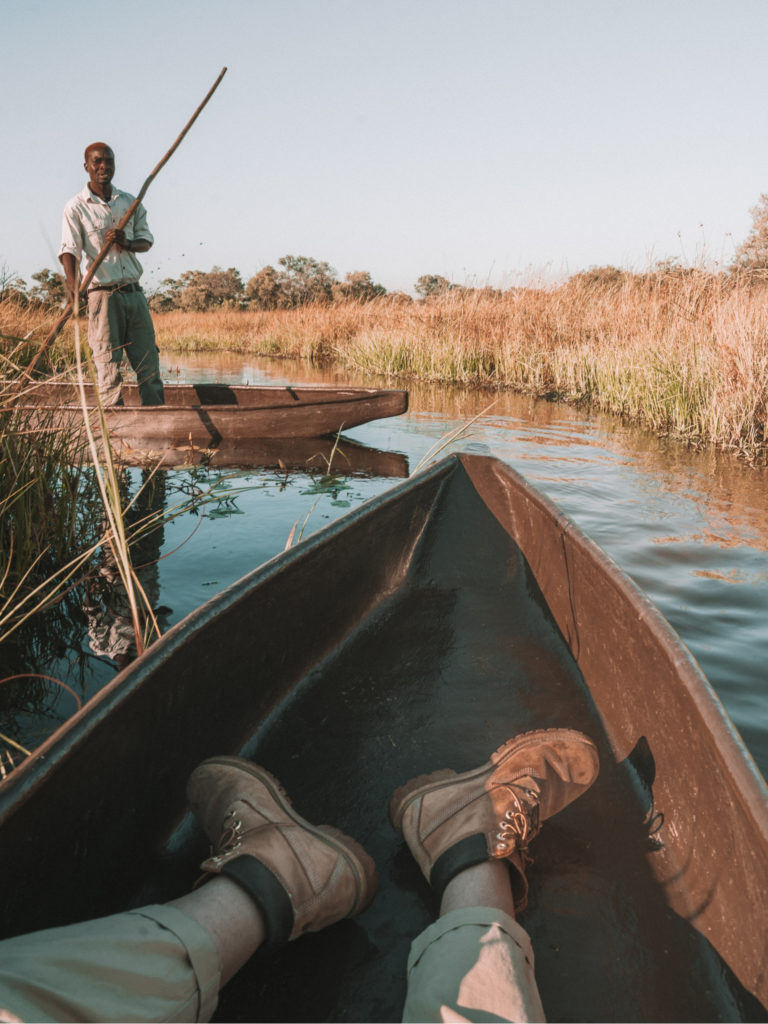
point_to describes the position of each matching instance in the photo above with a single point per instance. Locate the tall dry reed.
(54, 516)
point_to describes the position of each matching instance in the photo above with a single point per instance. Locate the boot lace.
(229, 841)
(520, 823)
(230, 838)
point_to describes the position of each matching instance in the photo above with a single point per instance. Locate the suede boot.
(302, 877)
(452, 821)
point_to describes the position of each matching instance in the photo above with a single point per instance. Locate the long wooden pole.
(82, 290)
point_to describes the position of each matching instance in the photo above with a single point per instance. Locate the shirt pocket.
(99, 223)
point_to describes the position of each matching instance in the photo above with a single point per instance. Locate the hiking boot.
(452, 821)
(302, 877)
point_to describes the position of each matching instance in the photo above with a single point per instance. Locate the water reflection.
(306, 454)
(109, 616)
(323, 464)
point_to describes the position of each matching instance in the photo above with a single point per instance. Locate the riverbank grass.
(685, 353)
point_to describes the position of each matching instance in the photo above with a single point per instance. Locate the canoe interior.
(418, 633)
(244, 396)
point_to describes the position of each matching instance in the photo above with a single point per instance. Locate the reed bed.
(50, 526)
(48, 510)
(682, 351)
(54, 518)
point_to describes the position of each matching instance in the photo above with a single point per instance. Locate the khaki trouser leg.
(120, 324)
(152, 964)
(141, 347)
(473, 964)
(104, 339)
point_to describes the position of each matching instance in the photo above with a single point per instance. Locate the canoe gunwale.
(154, 410)
(303, 394)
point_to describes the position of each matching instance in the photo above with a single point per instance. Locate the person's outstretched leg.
(272, 877)
(469, 834)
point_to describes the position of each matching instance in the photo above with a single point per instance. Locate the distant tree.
(431, 285)
(304, 280)
(48, 289)
(752, 254)
(166, 296)
(486, 292)
(399, 298)
(606, 279)
(12, 286)
(264, 290)
(203, 291)
(357, 286)
(600, 277)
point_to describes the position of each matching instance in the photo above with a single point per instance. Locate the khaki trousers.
(119, 324)
(473, 964)
(157, 964)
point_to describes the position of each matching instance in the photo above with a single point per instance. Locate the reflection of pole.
(131, 210)
(111, 628)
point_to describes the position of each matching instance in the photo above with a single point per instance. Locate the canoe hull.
(421, 632)
(207, 414)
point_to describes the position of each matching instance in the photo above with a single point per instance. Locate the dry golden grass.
(23, 329)
(682, 351)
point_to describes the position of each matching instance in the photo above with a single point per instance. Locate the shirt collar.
(88, 197)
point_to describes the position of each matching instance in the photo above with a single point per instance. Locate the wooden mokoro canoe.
(419, 632)
(207, 414)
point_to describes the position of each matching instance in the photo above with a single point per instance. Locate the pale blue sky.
(487, 140)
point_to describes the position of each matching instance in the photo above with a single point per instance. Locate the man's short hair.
(97, 145)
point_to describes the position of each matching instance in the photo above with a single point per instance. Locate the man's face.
(100, 165)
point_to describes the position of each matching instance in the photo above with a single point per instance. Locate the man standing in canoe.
(119, 322)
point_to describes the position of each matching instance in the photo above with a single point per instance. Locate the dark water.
(690, 528)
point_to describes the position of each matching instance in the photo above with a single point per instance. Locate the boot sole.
(356, 856)
(403, 797)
